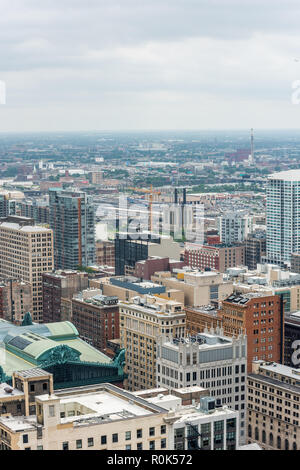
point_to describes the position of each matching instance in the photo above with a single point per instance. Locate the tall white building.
(209, 360)
(283, 216)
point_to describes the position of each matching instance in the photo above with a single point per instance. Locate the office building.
(26, 251)
(273, 406)
(261, 318)
(295, 263)
(199, 287)
(209, 360)
(217, 257)
(105, 253)
(99, 417)
(15, 299)
(72, 220)
(96, 318)
(255, 249)
(142, 321)
(60, 285)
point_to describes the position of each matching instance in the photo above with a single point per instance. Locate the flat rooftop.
(15, 392)
(289, 175)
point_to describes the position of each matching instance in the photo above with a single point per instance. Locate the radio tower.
(252, 147)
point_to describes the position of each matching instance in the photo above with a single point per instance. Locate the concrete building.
(261, 318)
(211, 361)
(217, 257)
(96, 318)
(60, 285)
(273, 406)
(199, 288)
(15, 299)
(90, 418)
(26, 251)
(142, 322)
(283, 216)
(72, 220)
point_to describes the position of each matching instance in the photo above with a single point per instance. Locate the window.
(163, 429)
(139, 434)
(128, 447)
(152, 445)
(115, 438)
(79, 444)
(25, 439)
(51, 411)
(65, 446)
(103, 440)
(139, 446)
(151, 431)
(163, 443)
(90, 442)
(127, 435)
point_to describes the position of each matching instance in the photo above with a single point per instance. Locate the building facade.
(26, 251)
(142, 322)
(218, 257)
(261, 318)
(273, 406)
(60, 285)
(283, 216)
(72, 220)
(211, 361)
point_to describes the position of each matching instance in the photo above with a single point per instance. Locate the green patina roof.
(88, 353)
(61, 329)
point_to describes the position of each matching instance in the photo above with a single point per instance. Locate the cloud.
(127, 59)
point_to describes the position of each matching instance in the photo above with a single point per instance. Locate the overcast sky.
(149, 64)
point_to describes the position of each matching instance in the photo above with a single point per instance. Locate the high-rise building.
(142, 321)
(283, 216)
(234, 227)
(26, 251)
(72, 219)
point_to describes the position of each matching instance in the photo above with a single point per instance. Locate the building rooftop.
(289, 175)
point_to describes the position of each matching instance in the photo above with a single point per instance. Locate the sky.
(74, 65)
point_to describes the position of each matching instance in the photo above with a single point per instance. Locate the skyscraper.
(72, 219)
(26, 251)
(283, 216)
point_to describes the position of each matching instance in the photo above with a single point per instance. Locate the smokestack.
(176, 196)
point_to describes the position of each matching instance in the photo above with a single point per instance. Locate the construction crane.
(151, 193)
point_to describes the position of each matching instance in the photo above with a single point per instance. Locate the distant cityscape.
(111, 313)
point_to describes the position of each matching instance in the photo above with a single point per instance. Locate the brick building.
(218, 257)
(105, 253)
(146, 268)
(57, 286)
(96, 319)
(261, 318)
